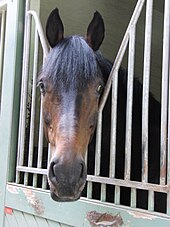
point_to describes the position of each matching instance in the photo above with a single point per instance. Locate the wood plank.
(20, 218)
(53, 223)
(12, 220)
(6, 222)
(41, 222)
(30, 219)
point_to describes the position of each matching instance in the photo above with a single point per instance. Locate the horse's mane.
(71, 63)
(154, 105)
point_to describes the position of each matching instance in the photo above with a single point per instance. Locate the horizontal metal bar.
(130, 184)
(31, 170)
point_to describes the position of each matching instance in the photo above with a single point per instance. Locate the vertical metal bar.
(40, 32)
(151, 201)
(33, 103)
(114, 72)
(2, 37)
(168, 154)
(117, 195)
(21, 134)
(164, 100)
(89, 190)
(103, 193)
(40, 141)
(98, 144)
(113, 125)
(86, 157)
(133, 198)
(146, 80)
(129, 102)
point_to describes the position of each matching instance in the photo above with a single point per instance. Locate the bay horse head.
(71, 83)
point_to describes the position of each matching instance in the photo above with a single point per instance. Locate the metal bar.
(151, 201)
(40, 32)
(21, 134)
(128, 139)
(113, 125)
(133, 198)
(40, 141)
(117, 195)
(89, 190)
(103, 193)
(27, 169)
(44, 182)
(33, 104)
(168, 154)
(164, 101)
(122, 49)
(130, 184)
(98, 145)
(145, 98)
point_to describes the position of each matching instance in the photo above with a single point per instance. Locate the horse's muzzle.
(67, 179)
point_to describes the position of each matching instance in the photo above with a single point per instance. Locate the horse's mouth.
(64, 198)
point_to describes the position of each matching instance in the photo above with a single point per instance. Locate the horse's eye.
(99, 89)
(41, 86)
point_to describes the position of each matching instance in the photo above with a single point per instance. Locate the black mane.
(71, 63)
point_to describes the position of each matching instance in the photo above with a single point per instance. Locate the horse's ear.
(95, 31)
(54, 28)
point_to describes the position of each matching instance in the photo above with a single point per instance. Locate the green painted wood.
(9, 105)
(53, 224)
(12, 220)
(41, 222)
(39, 203)
(20, 218)
(64, 225)
(31, 220)
(6, 222)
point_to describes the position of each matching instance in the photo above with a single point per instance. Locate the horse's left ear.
(54, 28)
(95, 31)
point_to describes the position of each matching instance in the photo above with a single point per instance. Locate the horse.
(72, 81)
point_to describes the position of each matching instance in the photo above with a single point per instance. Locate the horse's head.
(71, 84)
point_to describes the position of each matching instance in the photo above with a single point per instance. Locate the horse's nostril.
(83, 172)
(52, 170)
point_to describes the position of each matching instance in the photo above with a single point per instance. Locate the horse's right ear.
(54, 28)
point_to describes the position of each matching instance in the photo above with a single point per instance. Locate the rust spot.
(104, 219)
(34, 202)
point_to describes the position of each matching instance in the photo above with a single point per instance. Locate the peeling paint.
(104, 219)
(34, 202)
(12, 189)
(136, 214)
